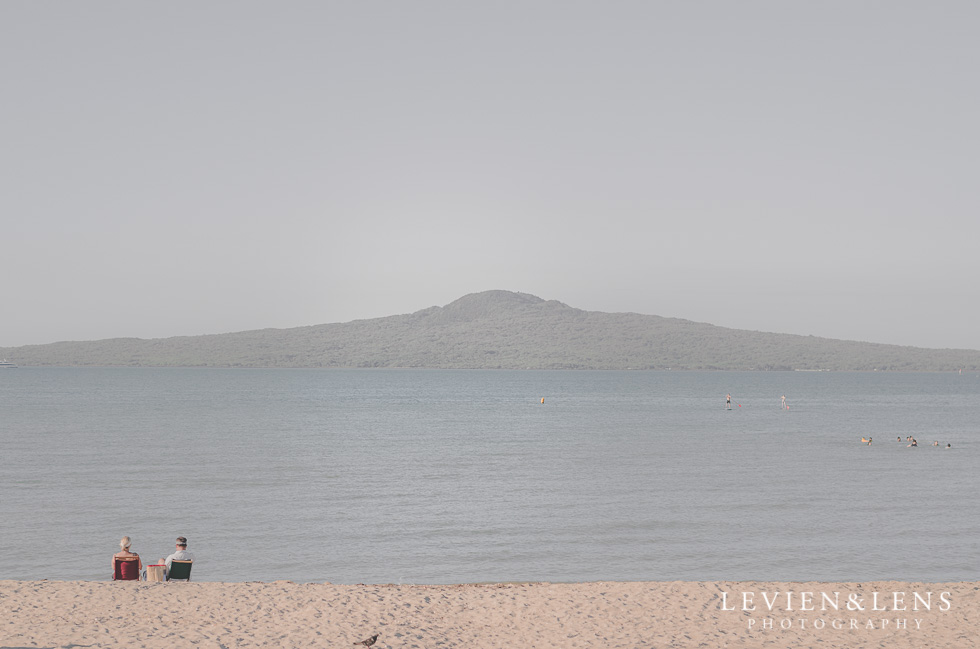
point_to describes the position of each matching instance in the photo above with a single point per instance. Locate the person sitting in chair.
(124, 553)
(180, 555)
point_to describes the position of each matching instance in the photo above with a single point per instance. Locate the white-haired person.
(127, 569)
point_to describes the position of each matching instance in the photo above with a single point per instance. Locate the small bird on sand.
(370, 641)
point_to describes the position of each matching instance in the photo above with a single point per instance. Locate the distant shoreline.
(494, 369)
(503, 330)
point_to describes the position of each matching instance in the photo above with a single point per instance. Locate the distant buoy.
(542, 399)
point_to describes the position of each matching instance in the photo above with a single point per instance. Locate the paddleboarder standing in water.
(728, 402)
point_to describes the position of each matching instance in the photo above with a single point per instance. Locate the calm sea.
(403, 476)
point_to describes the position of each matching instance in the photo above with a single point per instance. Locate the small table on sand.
(155, 572)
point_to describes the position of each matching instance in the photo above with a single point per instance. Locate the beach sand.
(602, 614)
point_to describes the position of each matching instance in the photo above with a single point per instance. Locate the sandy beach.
(601, 614)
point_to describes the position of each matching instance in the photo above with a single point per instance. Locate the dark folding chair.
(179, 570)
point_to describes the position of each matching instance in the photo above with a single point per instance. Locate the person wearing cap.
(181, 554)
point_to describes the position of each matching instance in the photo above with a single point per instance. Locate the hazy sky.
(185, 168)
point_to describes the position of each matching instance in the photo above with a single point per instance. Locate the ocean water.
(437, 476)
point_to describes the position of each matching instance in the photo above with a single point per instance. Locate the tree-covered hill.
(500, 329)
